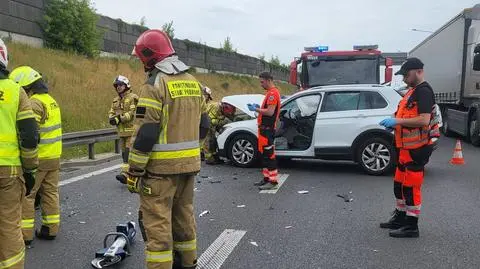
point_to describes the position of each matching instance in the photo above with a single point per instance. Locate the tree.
(274, 60)
(168, 28)
(143, 21)
(71, 25)
(227, 45)
(261, 56)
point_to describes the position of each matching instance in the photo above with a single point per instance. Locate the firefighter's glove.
(389, 123)
(115, 120)
(134, 178)
(133, 184)
(29, 176)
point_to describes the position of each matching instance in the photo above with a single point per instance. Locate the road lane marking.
(220, 249)
(281, 179)
(94, 173)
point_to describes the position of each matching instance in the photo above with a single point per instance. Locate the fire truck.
(318, 66)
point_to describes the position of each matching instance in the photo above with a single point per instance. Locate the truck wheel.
(446, 132)
(474, 130)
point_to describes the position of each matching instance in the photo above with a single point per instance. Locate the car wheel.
(242, 150)
(376, 156)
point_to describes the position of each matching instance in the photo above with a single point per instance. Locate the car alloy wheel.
(376, 157)
(243, 151)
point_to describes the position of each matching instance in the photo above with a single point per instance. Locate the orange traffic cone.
(457, 158)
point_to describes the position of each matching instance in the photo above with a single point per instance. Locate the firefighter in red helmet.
(164, 158)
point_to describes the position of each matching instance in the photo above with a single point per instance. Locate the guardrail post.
(117, 145)
(91, 151)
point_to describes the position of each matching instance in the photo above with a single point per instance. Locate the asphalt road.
(288, 229)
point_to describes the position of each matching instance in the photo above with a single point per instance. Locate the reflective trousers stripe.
(185, 246)
(28, 223)
(13, 260)
(51, 219)
(159, 256)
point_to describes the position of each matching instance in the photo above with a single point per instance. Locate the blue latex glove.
(389, 123)
(251, 107)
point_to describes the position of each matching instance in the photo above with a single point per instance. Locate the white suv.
(338, 122)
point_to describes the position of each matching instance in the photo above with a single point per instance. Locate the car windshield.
(339, 72)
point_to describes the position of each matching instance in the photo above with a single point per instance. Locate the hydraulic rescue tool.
(119, 249)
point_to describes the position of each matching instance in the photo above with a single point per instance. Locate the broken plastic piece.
(254, 243)
(240, 206)
(303, 192)
(204, 213)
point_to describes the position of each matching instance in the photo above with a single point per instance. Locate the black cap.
(410, 64)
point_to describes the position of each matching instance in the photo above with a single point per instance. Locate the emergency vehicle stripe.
(25, 115)
(159, 256)
(150, 103)
(50, 128)
(13, 260)
(176, 146)
(50, 140)
(138, 158)
(177, 154)
(185, 246)
(51, 219)
(28, 223)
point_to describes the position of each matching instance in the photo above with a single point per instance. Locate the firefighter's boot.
(121, 178)
(396, 221)
(44, 234)
(410, 229)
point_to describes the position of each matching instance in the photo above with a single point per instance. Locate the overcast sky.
(285, 27)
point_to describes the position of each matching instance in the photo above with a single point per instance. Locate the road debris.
(254, 243)
(215, 181)
(82, 222)
(288, 227)
(346, 197)
(240, 206)
(204, 213)
(303, 192)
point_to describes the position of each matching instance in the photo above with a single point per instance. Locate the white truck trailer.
(451, 57)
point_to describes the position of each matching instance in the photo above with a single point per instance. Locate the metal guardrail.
(90, 138)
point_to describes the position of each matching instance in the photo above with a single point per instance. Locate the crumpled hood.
(171, 66)
(241, 101)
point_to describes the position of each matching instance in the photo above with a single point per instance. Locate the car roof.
(388, 90)
(348, 87)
